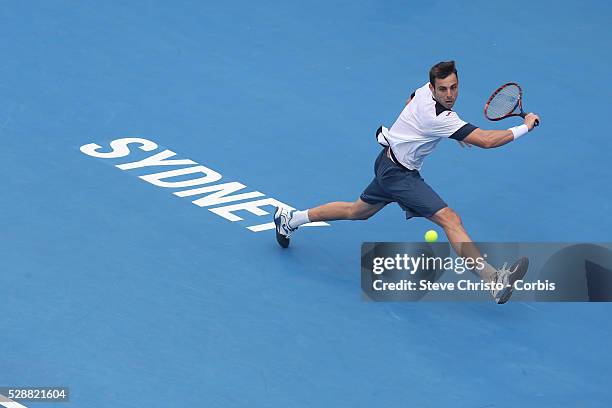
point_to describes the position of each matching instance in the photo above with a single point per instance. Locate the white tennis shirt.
(419, 128)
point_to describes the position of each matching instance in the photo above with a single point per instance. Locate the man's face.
(446, 90)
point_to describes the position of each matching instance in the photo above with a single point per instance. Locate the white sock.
(299, 218)
(488, 272)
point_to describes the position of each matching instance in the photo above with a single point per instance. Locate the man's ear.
(431, 88)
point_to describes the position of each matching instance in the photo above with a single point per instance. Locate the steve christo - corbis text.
(461, 285)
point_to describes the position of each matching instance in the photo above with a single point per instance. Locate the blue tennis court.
(132, 296)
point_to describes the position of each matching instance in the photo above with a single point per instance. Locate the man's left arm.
(450, 125)
(489, 139)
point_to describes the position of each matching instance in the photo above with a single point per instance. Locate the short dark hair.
(441, 70)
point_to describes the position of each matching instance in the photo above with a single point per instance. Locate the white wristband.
(519, 131)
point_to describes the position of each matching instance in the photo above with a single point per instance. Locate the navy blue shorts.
(393, 183)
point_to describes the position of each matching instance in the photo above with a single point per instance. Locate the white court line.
(271, 226)
(5, 402)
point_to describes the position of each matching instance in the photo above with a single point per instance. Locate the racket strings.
(503, 102)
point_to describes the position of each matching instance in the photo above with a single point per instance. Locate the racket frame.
(519, 103)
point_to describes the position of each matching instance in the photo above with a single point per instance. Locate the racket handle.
(523, 114)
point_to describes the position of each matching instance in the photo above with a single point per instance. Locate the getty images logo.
(203, 183)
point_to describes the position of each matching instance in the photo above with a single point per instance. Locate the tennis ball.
(431, 236)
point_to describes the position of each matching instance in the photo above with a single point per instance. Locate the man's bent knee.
(360, 210)
(356, 214)
(446, 217)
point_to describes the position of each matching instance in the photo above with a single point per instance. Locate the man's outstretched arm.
(488, 139)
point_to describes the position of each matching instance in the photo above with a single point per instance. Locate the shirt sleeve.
(448, 124)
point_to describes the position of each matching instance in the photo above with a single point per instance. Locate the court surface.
(134, 297)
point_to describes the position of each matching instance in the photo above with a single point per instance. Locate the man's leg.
(357, 210)
(288, 221)
(463, 245)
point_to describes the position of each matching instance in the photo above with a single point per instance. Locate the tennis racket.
(504, 102)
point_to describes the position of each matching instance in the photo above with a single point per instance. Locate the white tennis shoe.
(282, 216)
(507, 277)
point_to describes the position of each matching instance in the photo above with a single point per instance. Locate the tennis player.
(426, 119)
